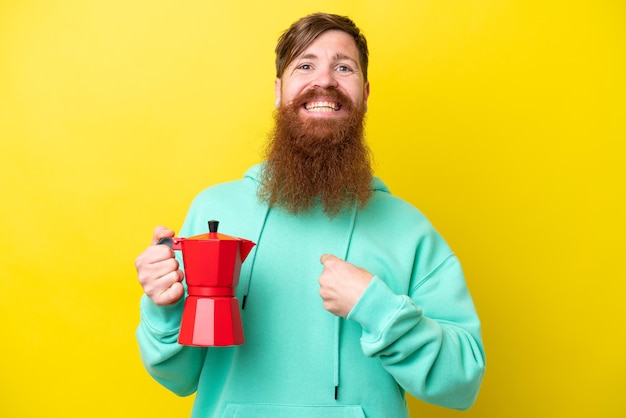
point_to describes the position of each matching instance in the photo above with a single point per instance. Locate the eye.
(304, 67)
(344, 69)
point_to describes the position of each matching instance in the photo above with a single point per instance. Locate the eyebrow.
(338, 57)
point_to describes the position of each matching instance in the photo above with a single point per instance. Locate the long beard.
(317, 158)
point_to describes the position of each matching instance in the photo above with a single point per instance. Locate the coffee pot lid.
(212, 235)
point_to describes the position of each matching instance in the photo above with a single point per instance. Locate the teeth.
(322, 106)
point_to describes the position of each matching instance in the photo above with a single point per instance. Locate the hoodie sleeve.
(174, 366)
(429, 340)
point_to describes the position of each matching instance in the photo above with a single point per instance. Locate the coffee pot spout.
(245, 246)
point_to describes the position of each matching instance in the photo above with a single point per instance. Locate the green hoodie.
(414, 329)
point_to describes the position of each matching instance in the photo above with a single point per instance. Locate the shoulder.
(234, 203)
(393, 209)
(228, 191)
(399, 222)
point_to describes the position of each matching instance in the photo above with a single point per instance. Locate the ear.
(366, 93)
(277, 90)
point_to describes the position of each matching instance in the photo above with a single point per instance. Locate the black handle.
(165, 241)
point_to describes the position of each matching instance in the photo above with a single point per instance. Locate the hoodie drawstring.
(246, 283)
(338, 319)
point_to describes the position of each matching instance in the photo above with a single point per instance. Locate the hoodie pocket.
(234, 410)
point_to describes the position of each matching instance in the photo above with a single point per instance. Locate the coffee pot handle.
(173, 243)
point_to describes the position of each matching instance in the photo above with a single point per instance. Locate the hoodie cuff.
(161, 320)
(376, 308)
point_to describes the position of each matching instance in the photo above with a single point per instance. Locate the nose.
(325, 79)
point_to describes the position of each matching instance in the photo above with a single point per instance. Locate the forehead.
(333, 44)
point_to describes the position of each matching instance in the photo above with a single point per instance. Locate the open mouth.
(322, 106)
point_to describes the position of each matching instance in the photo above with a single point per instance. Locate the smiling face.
(317, 152)
(326, 80)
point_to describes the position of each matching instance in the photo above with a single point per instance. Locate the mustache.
(331, 94)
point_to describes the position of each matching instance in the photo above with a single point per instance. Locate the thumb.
(161, 232)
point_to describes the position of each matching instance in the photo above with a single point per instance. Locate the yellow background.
(503, 121)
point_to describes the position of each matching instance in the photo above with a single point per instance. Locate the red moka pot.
(212, 262)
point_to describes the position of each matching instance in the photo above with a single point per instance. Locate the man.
(350, 296)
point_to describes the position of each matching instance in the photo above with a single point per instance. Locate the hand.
(341, 284)
(158, 272)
